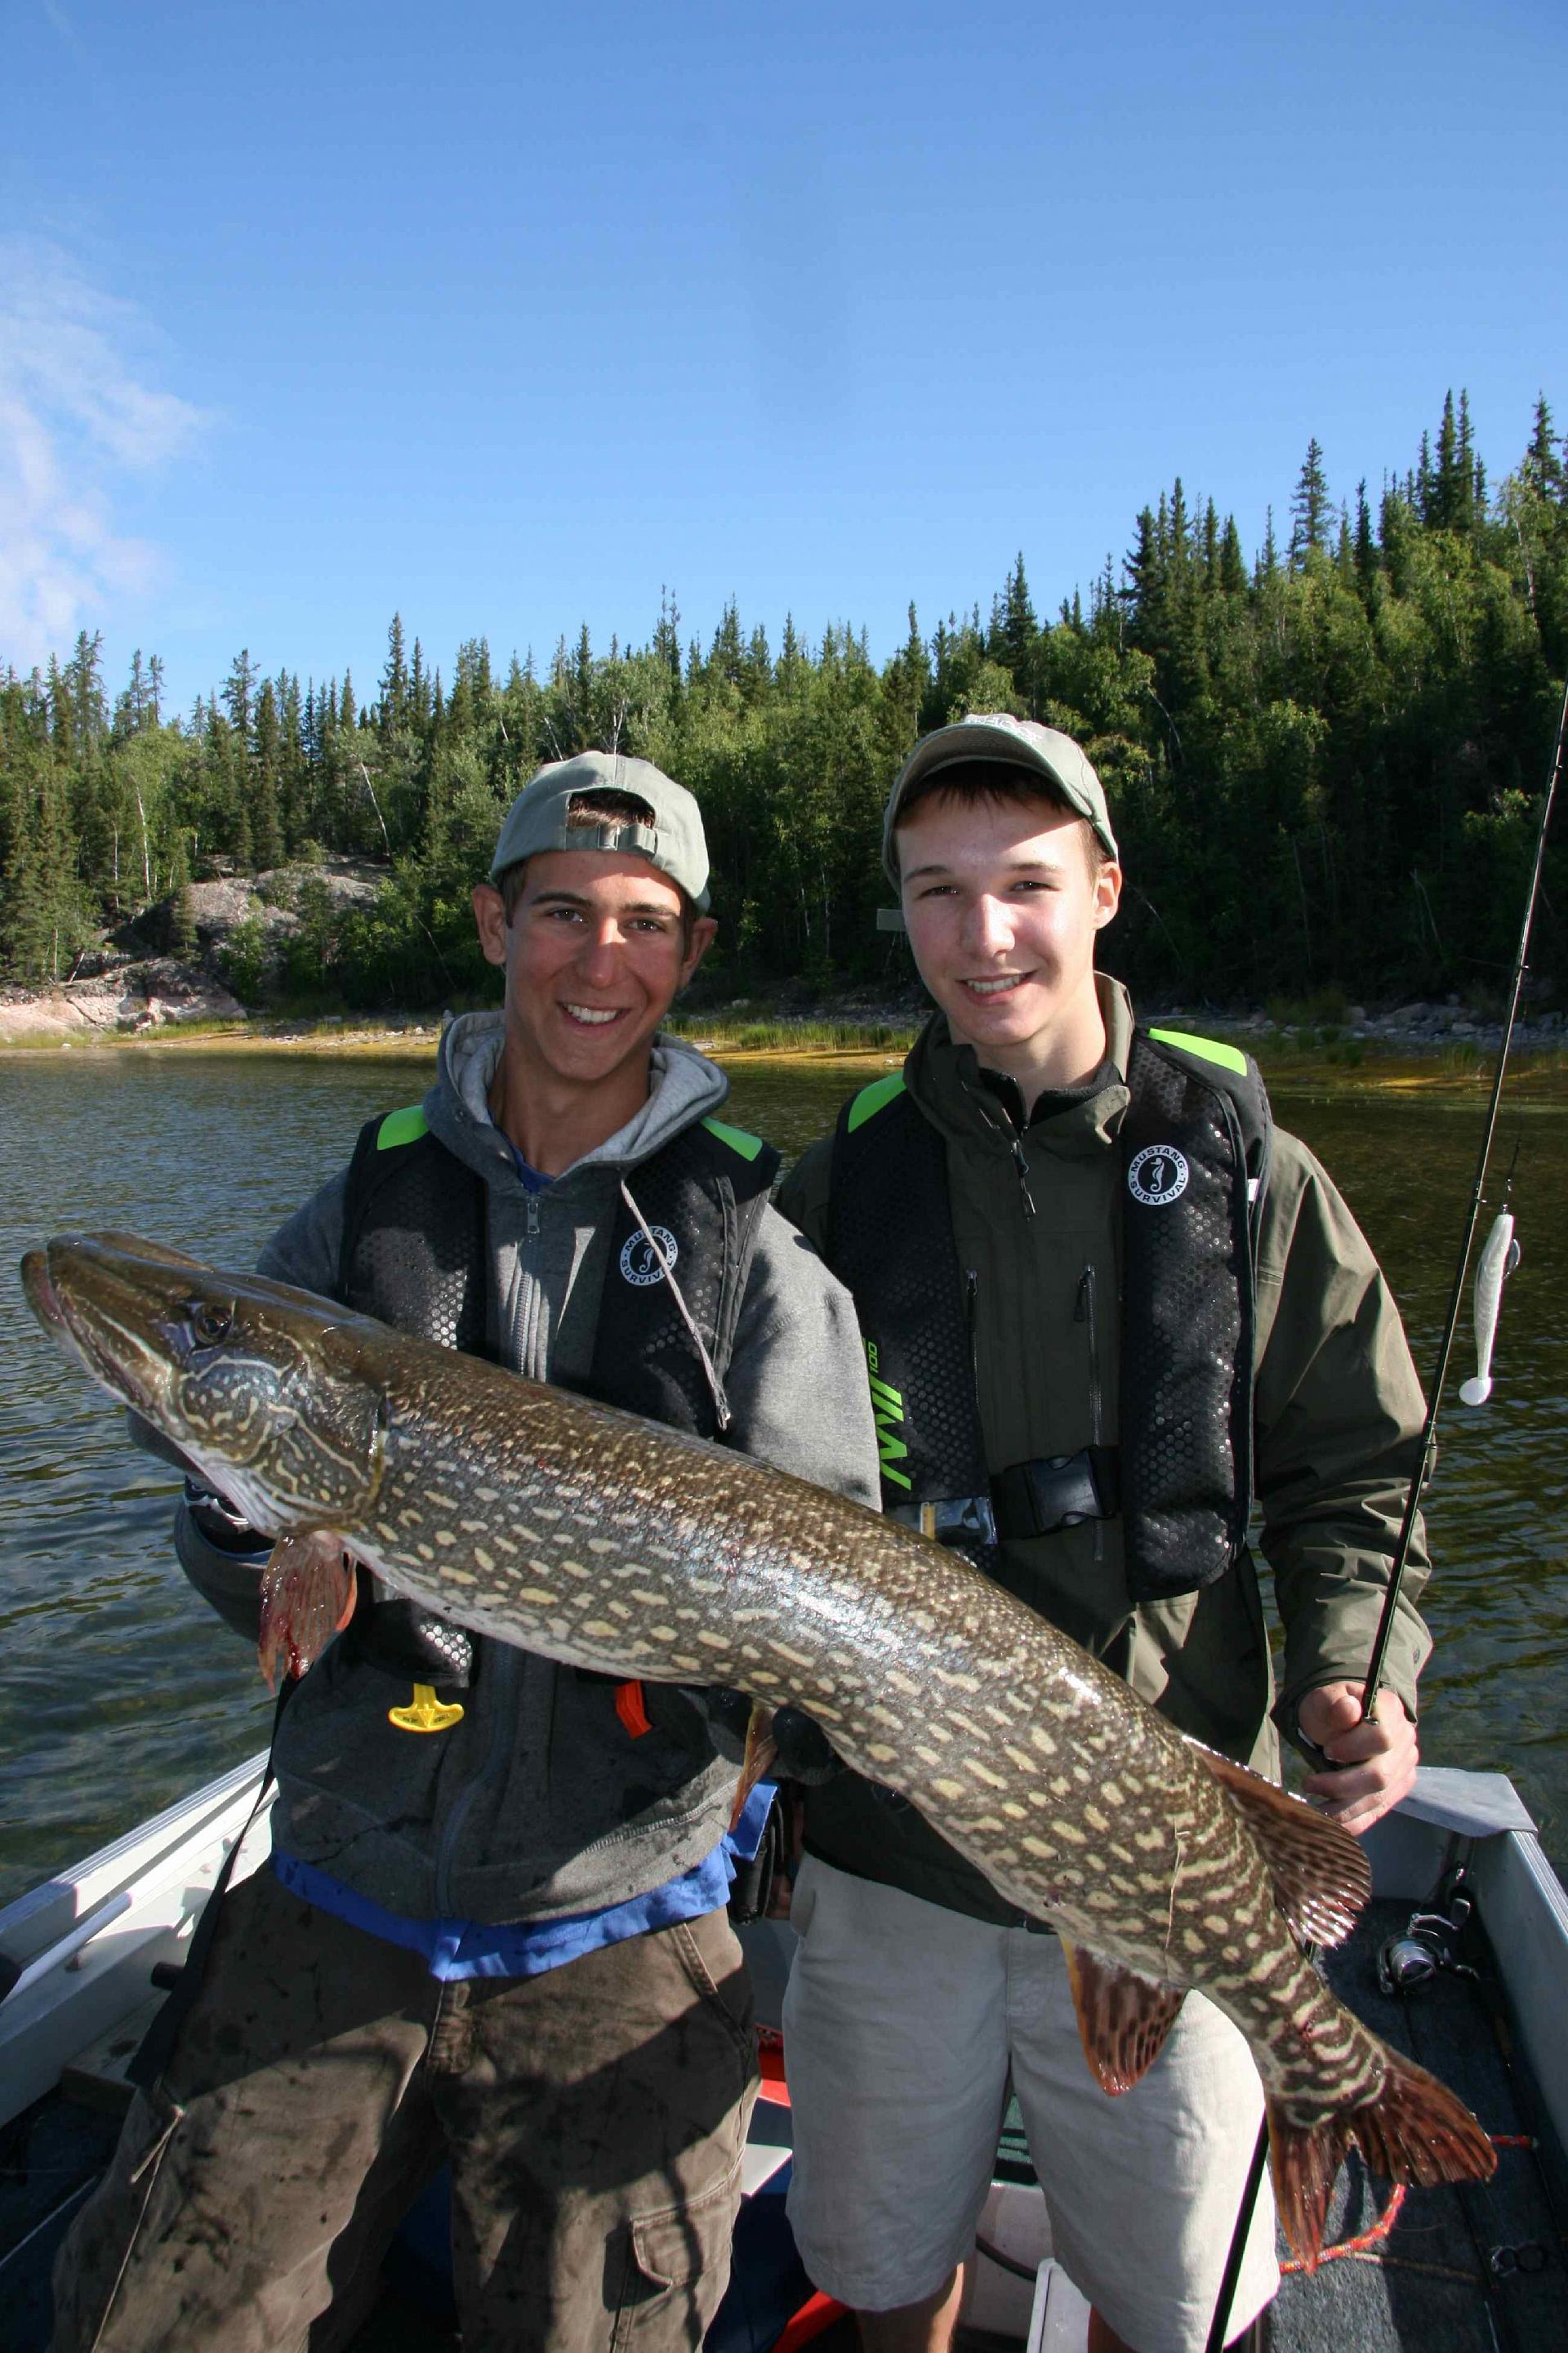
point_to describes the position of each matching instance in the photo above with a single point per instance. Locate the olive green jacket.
(1338, 1407)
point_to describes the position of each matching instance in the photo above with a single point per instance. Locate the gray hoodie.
(539, 1803)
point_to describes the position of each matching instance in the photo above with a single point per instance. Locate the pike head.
(262, 1385)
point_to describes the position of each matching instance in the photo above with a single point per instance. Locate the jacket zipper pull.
(1021, 1163)
(531, 1212)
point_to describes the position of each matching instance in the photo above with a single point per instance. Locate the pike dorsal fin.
(1321, 1874)
(1123, 2019)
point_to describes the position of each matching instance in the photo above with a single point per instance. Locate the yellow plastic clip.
(425, 1712)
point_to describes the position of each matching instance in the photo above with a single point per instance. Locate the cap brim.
(968, 741)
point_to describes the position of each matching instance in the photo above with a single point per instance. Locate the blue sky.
(508, 317)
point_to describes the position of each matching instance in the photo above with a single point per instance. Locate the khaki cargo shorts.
(905, 2028)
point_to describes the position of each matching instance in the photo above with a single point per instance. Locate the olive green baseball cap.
(669, 836)
(1061, 765)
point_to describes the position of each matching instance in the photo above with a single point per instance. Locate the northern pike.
(608, 1542)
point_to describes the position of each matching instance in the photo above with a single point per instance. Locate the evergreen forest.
(1324, 761)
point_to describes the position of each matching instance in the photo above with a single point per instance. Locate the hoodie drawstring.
(720, 1402)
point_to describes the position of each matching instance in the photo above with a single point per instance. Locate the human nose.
(601, 950)
(987, 928)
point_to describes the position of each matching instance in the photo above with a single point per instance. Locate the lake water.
(119, 1691)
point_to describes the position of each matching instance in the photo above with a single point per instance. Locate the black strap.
(157, 2044)
(750, 1891)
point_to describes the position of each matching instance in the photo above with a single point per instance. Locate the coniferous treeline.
(1323, 762)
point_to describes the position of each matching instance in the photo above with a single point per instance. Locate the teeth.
(993, 987)
(597, 1015)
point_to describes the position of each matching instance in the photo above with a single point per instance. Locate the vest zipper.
(972, 1319)
(1021, 1163)
(530, 1216)
(1083, 1312)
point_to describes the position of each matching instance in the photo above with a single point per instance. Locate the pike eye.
(209, 1325)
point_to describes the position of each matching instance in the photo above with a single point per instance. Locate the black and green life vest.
(416, 1254)
(1193, 1150)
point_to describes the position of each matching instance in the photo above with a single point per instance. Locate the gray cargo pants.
(594, 2117)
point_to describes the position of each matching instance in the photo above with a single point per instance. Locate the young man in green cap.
(1087, 1271)
(493, 1931)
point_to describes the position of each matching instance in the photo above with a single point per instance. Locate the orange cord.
(1390, 2214)
(1368, 2239)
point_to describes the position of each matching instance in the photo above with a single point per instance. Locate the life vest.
(416, 1254)
(1193, 1150)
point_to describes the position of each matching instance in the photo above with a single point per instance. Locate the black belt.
(1028, 1499)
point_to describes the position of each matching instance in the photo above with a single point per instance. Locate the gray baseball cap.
(670, 839)
(1054, 758)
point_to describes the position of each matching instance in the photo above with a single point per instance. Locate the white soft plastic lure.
(1498, 1261)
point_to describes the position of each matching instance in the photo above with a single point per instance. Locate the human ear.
(700, 938)
(489, 916)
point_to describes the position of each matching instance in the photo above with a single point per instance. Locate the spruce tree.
(239, 695)
(392, 709)
(1308, 509)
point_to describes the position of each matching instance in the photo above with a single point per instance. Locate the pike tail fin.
(1415, 2130)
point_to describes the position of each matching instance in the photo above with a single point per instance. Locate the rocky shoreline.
(133, 998)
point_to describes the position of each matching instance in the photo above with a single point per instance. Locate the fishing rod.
(1379, 1651)
(1418, 1480)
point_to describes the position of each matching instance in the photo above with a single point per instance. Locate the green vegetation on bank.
(1324, 764)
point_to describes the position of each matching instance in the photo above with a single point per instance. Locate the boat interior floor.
(1477, 2269)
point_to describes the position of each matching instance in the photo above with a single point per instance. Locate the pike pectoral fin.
(307, 1597)
(1321, 1874)
(1122, 2017)
(1415, 2130)
(761, 1754)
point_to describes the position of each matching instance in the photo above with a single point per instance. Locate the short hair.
(1003, 782)
(585, 813)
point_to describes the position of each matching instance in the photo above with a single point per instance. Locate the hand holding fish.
(1377, 1759)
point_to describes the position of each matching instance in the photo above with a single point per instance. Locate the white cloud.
(77, 421)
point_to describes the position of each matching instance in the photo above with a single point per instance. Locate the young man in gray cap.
(494, 1927)
(1085, 1268)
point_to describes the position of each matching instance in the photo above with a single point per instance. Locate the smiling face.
(596, 950)
(1003, 908)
